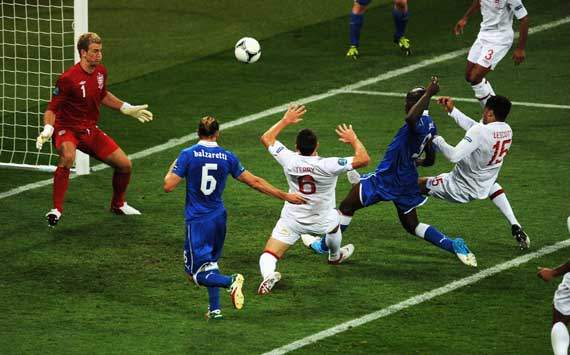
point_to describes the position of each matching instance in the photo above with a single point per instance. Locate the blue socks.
(214, 298)
(356, 22)
(213, 278)
(439, 239)
(400, 22)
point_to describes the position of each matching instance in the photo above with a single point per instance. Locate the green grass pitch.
(101, 284)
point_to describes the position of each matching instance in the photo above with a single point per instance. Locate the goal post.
(37, 44)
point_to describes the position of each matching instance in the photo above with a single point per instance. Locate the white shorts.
(562, 296)
(487, 54)
(289, 231)
(445, 187)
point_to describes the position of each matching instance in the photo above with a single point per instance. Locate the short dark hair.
(500, 105)
(306, 141)
(208, 126)
(415, 94)
(86, 39)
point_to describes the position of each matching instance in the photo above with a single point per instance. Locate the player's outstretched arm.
(460, 118)
(292, 116)
(139, 112)
(548, 274)
(46, 133)
(519, 53)
(417, 110)
(458, 28)
(263, 186)
(171, 180)
(465, 147)
(347, 135)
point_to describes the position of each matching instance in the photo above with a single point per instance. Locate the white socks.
(483, 91)
(267, 264)
(421, 230)
(560, 339)
(333, 241)
(344, 220)
(499, 198)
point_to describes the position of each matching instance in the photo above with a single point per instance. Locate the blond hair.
(86, 39)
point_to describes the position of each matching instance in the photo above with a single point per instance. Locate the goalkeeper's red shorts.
(92, 141)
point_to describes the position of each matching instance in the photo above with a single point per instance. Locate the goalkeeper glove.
(137, 112)
(44, 136)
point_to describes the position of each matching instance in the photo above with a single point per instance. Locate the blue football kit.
(396, 177)
(205, 166)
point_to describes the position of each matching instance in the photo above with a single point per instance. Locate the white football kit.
(496, 34)
(315, 179)
(562, 296)
(478, 157)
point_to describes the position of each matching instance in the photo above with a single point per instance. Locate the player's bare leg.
(67, 152)
(559, 334)
(274, 250)
(119, 161)
(422, 182)
(429, 233)
(476, 74)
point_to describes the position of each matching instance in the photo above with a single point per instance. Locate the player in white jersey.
(494, 41)
(314, 178)
(478, 159)
(561, 307)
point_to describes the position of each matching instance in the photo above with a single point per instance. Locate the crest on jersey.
(342, 162)
(100, 81)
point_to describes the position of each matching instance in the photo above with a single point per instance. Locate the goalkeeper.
(71, 120)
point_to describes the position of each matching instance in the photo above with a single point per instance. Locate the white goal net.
(37, 43)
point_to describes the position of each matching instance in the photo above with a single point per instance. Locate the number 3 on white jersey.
(208, 184)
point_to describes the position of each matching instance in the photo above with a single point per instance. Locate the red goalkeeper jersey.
(77, 97)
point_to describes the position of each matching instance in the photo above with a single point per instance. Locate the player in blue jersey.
(400, 15)
(206, 166)
(396, 178)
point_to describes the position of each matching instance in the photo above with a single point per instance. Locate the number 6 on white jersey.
(208, 183)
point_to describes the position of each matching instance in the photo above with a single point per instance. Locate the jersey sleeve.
(60, 91)
(236, 169)
(336, 166)
(468, 144)
(518, 8)
(280, 153)
(181, 166)
(462, 119)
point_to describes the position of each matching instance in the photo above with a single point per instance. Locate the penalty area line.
(281, 108)
(413, 301)
(457, 99)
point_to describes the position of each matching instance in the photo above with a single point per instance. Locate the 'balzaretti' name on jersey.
(204, 154)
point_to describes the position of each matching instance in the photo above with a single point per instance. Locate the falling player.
(315, 178)
(478, 157)
(206, 167)
(400, 15)
(396, 179)
(493, 42)
(72, 115)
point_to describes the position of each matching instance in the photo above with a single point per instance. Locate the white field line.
(242, 120)
(419, 298)
(458, 99)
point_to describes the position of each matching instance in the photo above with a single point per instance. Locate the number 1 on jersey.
(208, 183)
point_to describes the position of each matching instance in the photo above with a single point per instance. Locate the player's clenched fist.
(44, 136)
(137, 111)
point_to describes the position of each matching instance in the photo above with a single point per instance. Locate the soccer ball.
(247, 50)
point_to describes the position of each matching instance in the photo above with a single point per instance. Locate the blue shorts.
(204, 241)
(372, 190)
(363, 2)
